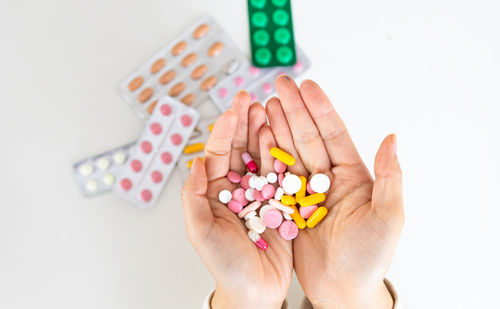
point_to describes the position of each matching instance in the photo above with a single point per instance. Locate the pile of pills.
(271, 201)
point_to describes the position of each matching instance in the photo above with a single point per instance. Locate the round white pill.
(86, 169)
(103, 163)
(287, 216)
(291, 184)
(260, 182)
(119, 157)
(255, 224)
(252, 181)
(272, 177)
(225, 196)
(253, 236)
(279, 193)
(250, 214)
(264, 209)
(320, 183)
(91, 185)
(249, 195)
(108, 179)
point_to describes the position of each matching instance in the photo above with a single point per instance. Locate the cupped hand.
(342, 262)
(245, 276)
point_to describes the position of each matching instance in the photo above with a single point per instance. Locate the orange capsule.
(158, 65)
(167, 77)
(208, 83)
(179, 48)
(215, 49)
(189, 59)
(151, 107)
(188, 99)
(199, 71)
(201, 31)
(145, 95)
(176, 89)
(135, 83)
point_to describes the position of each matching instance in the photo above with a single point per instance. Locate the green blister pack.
(271, 33)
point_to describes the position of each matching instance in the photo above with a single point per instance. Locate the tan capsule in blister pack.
(186, 68)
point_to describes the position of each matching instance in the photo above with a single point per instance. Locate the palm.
(348, 252)
(236, 254)
(241, 270)
(349, 243)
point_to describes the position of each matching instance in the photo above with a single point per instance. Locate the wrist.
(376, 298)
(222, 299)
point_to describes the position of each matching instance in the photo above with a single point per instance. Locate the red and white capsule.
(258, 240)
(249, 162)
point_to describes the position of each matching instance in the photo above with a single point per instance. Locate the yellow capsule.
(312, 199)
(190, 163)
(288, 200)
(193, 148)
(317, 216)
(302, 191)
(301, 223)
(283, 156)
(210, 127)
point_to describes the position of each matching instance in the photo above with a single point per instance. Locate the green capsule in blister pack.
(271, 33)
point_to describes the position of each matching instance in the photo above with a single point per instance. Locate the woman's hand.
(245, 276)
(341, 263)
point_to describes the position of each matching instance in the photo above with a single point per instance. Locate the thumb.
(387, 197)
(197, 213)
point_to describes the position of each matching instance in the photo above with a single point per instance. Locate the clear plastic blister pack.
(186, 68)
(98, 173)
(195, 147)
(258, 82)
(158, 149)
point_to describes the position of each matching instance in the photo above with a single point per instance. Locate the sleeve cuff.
(306, 304)
(208, 301)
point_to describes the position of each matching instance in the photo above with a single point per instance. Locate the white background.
(427, 70)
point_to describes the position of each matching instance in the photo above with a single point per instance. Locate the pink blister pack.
(186, 68)
(150, 164)
(195, 147)
(258, 82)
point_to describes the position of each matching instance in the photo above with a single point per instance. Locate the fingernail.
(394, 146)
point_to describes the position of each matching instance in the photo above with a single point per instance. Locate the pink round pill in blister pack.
(186, 68)
(258, 82)
(160, 145)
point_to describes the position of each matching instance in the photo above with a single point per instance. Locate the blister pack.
(271, 33)
(97, 174)
(258, 82)
(158, 149)
(195, 147)
(186, 68)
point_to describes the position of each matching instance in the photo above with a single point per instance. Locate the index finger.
(218, 147)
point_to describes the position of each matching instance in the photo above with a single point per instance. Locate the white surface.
(427, 70)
